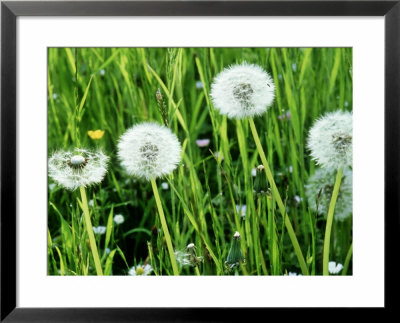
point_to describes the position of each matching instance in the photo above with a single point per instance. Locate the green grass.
(114, 88)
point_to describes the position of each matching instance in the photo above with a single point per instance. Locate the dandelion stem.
(329, 221)
(89, 229)
(278, 199)
(165, 227)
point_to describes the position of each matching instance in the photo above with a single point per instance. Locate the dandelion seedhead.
(235, 255)
(241, 91)
(319, 191)
(140, 270)
(81, 167)
(331, 140)
(149, 150)
(188, 257)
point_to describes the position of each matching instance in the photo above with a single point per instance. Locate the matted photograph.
(200, 161)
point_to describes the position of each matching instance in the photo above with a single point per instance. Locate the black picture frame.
(11, 10)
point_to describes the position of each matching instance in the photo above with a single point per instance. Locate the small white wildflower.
(91, 203)
(199, 85)
(52, 186)
(290, 169)
(217, 155)
(140, 270)
(241, 210)
(254, 172)
(164, 185)
(331, 140)
(119, 219)
(241, 91)
(319, 190)
(280, 77)
(99, 230)
(202, 142)
(294, 67)
(102, 72)
(293, 274)
(284, 116)
(334, 268)
(107, 251)
(80, 167)
(298, 199)
(346, 104)
(149, 150)
(55, 96)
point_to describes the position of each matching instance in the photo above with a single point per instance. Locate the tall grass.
(114, 88)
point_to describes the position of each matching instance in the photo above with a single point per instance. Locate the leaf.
(109, 227)
(109, 263)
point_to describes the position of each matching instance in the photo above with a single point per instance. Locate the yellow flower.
(96, 135)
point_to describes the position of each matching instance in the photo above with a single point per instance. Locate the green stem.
(278, 199)
(89, 229)
(76, 96)
(165, 227)
(329, 221)
(347, 260)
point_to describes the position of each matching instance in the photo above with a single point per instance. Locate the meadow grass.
(112, 89)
